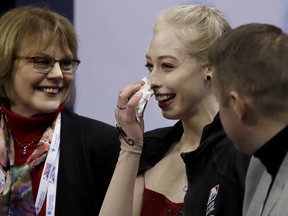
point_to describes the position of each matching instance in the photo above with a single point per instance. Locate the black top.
(273, 152)
(215, 170)
(89, 151)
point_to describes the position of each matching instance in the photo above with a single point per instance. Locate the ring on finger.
(121, 107)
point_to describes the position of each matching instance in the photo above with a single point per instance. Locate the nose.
(55, 72)
(155, 79)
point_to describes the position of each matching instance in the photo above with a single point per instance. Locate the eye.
(149, 67)
(66, 64)
(42, 62)
(167, 66)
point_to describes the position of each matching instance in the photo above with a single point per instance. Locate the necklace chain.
(24, 153)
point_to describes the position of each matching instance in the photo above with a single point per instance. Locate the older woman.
(52, 161)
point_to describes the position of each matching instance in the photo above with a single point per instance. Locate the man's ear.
(238, 104)
(243, 108)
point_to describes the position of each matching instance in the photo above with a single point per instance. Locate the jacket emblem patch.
(210, 211)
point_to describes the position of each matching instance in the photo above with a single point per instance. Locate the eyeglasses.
(45, 64)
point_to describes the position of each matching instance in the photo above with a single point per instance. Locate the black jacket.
(215, 165)
(89, 151)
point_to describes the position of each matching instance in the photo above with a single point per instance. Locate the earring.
(207, 77)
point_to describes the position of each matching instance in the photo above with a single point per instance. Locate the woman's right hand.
(125, 111)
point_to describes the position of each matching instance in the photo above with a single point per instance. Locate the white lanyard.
(49, 174)
(51, 195)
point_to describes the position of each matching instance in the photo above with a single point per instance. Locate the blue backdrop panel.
(65, 7)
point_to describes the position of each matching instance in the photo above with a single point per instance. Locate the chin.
(170, 117)
(49, 108)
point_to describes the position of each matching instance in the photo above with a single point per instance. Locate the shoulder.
(88, 131)
(154, 146)
(229, 162)
(226, 148)
(73, 119)
(169, 134)
(157, 142)
(90, 140)
(156, 134)
(223, 148)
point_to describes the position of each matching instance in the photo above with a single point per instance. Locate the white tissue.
(147, 93)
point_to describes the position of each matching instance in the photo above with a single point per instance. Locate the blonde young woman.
(190, 168)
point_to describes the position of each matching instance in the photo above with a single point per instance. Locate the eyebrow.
(162, 57)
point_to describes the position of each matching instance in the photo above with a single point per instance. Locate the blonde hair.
(199, 25)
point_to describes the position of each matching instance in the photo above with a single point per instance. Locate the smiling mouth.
(50, 90)
(163, 98)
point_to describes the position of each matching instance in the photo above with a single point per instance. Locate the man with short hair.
(250, 81)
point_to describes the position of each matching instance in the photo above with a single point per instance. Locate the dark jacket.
(89, 151)
(215, 171)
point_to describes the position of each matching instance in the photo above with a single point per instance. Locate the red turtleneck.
(26, 130)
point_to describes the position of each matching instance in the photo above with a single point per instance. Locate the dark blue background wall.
(65, 7)
(5, 5)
